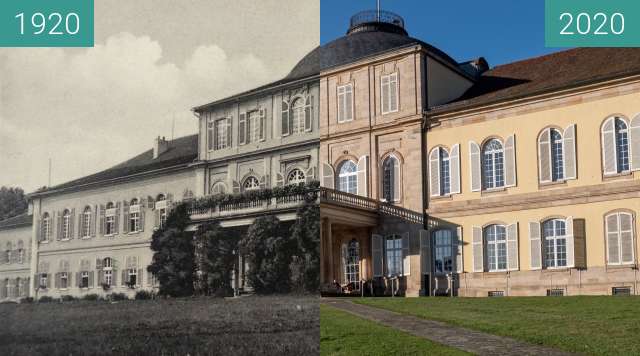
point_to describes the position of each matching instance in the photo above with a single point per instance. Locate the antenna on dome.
(378, 10)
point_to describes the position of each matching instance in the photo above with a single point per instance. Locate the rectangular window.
(86, 224)
(253, 127)
(393, 253)
(108, 277)
(84, 279)
(110, 225)
(43, 281)
(221, 134)
(66, 220)
(345, 103)
(134, 218)
(132, 276)
(64, 280)
(389, 93)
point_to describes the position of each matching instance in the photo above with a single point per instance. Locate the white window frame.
(295, 177)
(346, 176)
(66, 225)
(554, 240)
(210, 135)
(134, 217)
(86, 223)
(46, 227)
(496, 244)
(83, 275)
(352, 263)
(395, 166)
(493, 153)
(221, 136)
(389, 78)
(298, 115)
(447, 247)
(218, 184)
(395, 249)
(251, 183)
(345, 94)
(253, 124)
(132, 272)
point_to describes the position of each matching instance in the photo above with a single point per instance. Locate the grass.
(200, 326)
(344, 334)
(590, 325)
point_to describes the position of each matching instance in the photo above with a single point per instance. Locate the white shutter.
(613, 244)
(363, 174)
(263, 124)
(458, 249)
(377, 255)
(425, 247)
(344, 255)
(279, 179)
(310, 174)
(569, 152)
(634, 143)
(406, 257)
(242, 129)
(626, 238)
(512, 247)
(535, 245)
(510, 162)
(384, 93)
(544, 157)
(609, 164)
(434, 172)
(308, 113)
(348, 103)
(475, 168)
(393, 92)
(570, 243)
(454, 169)
(285, 119)
(478, 246)
(396, 180)
(328, 181)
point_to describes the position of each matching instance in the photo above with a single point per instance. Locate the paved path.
(471, 341)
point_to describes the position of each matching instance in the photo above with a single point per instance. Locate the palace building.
(449, 178)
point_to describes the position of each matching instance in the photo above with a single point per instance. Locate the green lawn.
(590, 325)
(344, 334)
(195, 326)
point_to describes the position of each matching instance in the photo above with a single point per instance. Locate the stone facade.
(15, 248)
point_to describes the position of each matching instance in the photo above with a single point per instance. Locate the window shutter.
(242, 129)
(48, 284)
(569, 152)
(458, 249)
(117, 218)
(72, 218)
(363, 174)
(626, 238)
(343, 262)
(348, 104)
(78, 280)
(94, 220)
(510, 161)
(235, 186)
(474, 163)
(56, 283)
(341, 104)
(80, 224)
(156, 218)
(393, 92)
(279, 179)
(544, 156)
(229, 133)
(512, 247)
(384, 94)
(570, 244)
(124, 277)
(142, 215)
(102, 220)
(36, 281)
(425, 249)
(310, 174)
(263, 124)
(114, 278)
(214, 136)
(39, 229)
(210, 134)
(91, 280)
(377, 255)
(263, 181)
(579, 243)
(125, 217)
(406, 257)
(308, 114)
(454, 169)
(634, 143)
(613, 254)
(328, 180)
(58, 219)
(100, 280)
(396, 180)
(434, 172)
(535, 245)
(478, 246)
(609, 163)
(285, 119)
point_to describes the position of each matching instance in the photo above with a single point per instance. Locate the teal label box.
(46, 23)
(592, 23)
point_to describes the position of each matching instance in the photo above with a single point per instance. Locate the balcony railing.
(337, 197)
(370, 16)
(225, 210)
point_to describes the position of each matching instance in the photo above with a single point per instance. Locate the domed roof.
(363, 40)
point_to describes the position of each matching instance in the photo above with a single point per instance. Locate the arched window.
(296, 176)
(557, 155)
(622, 144)
(555, 243)
(391, 179)
(445, 172)
(134, 215)
(110, 219)
(251, 183)
(218, 188)
(348, 177)
(66, 225)
(443, 251)
(493, 165)
(620, 236)
(352, 261)
(393, 254)
(298, 111)
(86, 222)
(496, 246)
(46, 227)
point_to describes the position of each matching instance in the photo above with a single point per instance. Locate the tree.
(216, 251)
(269, 254)
(12, 202)
(305, 232)
(173, 258)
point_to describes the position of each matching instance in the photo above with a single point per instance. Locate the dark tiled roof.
(547, 73)
(16, 221)
(182, 151)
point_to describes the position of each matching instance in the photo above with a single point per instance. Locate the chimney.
(160, 146)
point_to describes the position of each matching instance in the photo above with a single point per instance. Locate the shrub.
(306, 234)
(144, 295)
(118, 296)
(46, 299)
(68, 298)
(215, 259)
(91, 297)
(26, 300)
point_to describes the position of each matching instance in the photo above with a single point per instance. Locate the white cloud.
(92, 108)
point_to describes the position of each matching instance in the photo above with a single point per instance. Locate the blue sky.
(502, 31)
